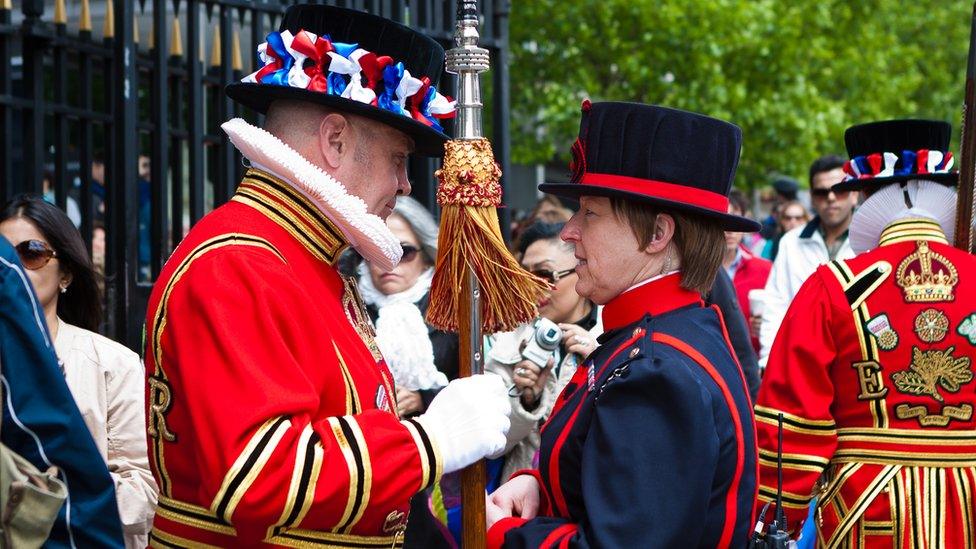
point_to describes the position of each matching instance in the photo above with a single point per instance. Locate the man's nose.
(403, 184)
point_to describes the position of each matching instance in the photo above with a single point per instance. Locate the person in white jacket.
(804, 249)
(104, 377)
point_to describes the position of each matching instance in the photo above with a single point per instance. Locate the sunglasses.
(34, 254)
(552, 276)
(409, 252)
(824, 193)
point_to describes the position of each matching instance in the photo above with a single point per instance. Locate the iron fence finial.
(237, 60)
(215, 48)
(84, 23)
(60, 14)
(176, 39)
(108, 28)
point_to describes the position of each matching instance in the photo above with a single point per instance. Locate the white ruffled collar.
(366, 232)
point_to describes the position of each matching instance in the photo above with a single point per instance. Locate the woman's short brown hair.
(699, 241)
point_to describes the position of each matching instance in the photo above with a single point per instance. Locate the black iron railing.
(149, 86)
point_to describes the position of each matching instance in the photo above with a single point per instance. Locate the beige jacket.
(106, 380)
(502, 355)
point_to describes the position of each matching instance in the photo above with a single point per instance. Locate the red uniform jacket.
(271, 414)
(752, 274)
(872, 372)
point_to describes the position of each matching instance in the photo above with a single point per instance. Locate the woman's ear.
(334, 139)
(66, 279)
(664, 227)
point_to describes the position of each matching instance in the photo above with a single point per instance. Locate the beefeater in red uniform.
(872, 368)
(271, 413)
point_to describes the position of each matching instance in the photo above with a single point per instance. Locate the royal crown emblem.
(926, 276)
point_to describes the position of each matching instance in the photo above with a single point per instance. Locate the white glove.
(468, 420)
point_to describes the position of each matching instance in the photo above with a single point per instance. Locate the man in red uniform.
(271, 414)
(872, 368)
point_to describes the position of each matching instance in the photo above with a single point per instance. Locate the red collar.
(654, 298)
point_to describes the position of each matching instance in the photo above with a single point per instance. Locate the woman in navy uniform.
(652, 443)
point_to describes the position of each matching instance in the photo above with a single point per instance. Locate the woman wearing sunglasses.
(104, 377)
(421, 358)
(533, 389)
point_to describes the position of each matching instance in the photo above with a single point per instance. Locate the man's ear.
(664, 227)
(335, 139)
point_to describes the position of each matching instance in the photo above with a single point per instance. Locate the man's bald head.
(366, 156)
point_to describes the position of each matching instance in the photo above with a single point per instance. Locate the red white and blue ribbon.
(317, 64)
(889, 164)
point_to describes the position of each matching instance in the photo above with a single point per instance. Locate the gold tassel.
(469, 194)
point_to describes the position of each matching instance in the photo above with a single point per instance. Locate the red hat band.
(683, 194)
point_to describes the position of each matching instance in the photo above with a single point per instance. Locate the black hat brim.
(727, 221)
(427, 140)
(950, 179)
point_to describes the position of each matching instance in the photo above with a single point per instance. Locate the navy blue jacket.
(652, 444)
(41, 421)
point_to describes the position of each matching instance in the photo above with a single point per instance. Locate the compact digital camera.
(543, 343)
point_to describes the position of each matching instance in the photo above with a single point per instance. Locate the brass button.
(638, 332)
(634, 352)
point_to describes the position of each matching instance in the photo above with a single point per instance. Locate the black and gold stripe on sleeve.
(801, 462)
(352, 443)
(430, 462)
(248, 465)
(791, 500)
(795, 423)
(304, 479)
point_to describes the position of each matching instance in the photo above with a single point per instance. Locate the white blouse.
(107, 381)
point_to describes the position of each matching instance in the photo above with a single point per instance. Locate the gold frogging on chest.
(355, 309)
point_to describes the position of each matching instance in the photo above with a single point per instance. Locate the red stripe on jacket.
(732, 495)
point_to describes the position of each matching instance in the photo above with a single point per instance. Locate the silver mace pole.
(467, 60)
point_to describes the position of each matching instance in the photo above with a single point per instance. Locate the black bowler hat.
(665, 157)
(357, 63)
(894, 151)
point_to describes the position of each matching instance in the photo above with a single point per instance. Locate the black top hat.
(369, 58)
(893, 151)
(674, 159)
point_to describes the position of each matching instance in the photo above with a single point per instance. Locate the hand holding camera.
(577, 340)
(538, 355)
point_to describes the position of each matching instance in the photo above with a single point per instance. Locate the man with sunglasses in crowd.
(804, 249)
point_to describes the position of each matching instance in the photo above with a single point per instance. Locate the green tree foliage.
(792, 73)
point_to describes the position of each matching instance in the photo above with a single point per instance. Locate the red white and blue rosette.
(317, 64)
(877, 169)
